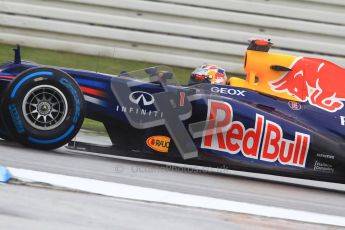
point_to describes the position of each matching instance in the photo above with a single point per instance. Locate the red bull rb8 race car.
(286, 117)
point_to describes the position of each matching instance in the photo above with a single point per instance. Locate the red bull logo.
(224, 134)
(317, 81)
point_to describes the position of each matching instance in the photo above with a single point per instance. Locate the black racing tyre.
(4, 132)
(43, 108)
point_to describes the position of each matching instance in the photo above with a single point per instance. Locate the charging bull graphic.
(320, 82)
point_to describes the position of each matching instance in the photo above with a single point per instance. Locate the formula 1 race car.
(286, 117)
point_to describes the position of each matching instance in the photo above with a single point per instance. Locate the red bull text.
(224, 134)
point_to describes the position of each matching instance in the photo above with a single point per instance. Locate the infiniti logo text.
(138, 97)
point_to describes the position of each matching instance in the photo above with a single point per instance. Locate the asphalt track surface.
(38, 207)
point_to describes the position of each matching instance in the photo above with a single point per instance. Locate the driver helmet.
(208, 73)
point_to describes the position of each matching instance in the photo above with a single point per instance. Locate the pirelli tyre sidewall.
(60, 92)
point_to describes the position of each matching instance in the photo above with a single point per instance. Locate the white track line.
(174, 198)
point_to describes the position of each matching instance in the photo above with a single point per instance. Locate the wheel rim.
(45, 107)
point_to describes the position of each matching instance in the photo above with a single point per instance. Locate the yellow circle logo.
(159, 143)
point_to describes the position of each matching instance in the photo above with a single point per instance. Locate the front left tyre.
(43, 108)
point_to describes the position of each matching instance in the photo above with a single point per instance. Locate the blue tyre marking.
(46, 142)
(18, 124)
(13, 94)
(66, 83)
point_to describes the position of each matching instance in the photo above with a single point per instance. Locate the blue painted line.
(46, 142)
(13, 94)
(91, 83)
(5, 175)
(6, 74)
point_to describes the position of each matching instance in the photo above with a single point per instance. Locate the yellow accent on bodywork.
(257, 66)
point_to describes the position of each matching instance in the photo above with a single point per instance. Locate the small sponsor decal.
(294, 105)
(138, 111)
(141, 97)
(228, 91)
(159, 143)
(323, 167)
(342, 120)
(224, 134)
(326, 156)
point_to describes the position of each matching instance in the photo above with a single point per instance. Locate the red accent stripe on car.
(93, 92)
(7, 77)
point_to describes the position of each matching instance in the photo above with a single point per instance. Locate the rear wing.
(263, 67)
(260, 45)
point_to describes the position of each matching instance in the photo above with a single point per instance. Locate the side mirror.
(165, 75)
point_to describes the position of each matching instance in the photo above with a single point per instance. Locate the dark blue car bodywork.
(316, 137)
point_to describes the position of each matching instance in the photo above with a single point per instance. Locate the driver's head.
(208, 73)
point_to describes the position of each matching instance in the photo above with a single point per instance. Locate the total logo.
(224, 134)
(142, 97)
(159, 143)
(228, 91)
